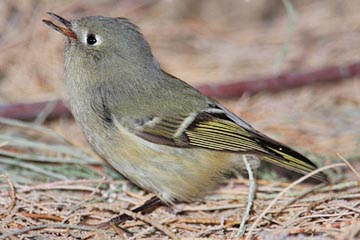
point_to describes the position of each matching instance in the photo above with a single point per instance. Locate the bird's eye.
(91, 39)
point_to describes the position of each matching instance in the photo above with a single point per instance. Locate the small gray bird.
(153, 128)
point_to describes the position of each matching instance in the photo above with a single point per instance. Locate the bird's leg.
(150, 204)
(115, 221)
(147, 206)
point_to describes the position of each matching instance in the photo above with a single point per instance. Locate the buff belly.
(172, 173)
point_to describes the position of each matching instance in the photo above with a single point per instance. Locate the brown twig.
(209, 208)
(208, 221)
(253, 226)
(44, 226)
(29, 111)
(12, 196)
(42, 216)
(280, 82)
(117, 230)
(151, 222)
(349, 165)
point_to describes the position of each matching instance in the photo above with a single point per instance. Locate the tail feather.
(218, 132)
(286, 157)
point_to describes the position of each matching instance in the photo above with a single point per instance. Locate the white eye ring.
(92, 39)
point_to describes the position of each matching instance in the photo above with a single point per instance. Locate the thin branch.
(12, 195)
(30, 111)
(287, 80)
(349, 165)
(280, 82)
(43, 226)
(151, 222)
(251, 196)
(253, 226)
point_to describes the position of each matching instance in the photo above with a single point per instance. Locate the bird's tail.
(226, 132)
(282, 155)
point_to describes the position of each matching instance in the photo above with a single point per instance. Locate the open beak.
(67, 31)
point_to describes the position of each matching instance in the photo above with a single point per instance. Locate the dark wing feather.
(218, 132)
(215, 129)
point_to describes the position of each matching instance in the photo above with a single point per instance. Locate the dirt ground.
(52, 186)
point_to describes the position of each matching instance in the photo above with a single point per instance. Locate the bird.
(155, 129)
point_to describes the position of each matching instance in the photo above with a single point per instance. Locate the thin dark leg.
(153, 202)
(147, 206)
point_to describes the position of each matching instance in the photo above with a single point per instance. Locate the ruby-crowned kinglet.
(155, 129)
